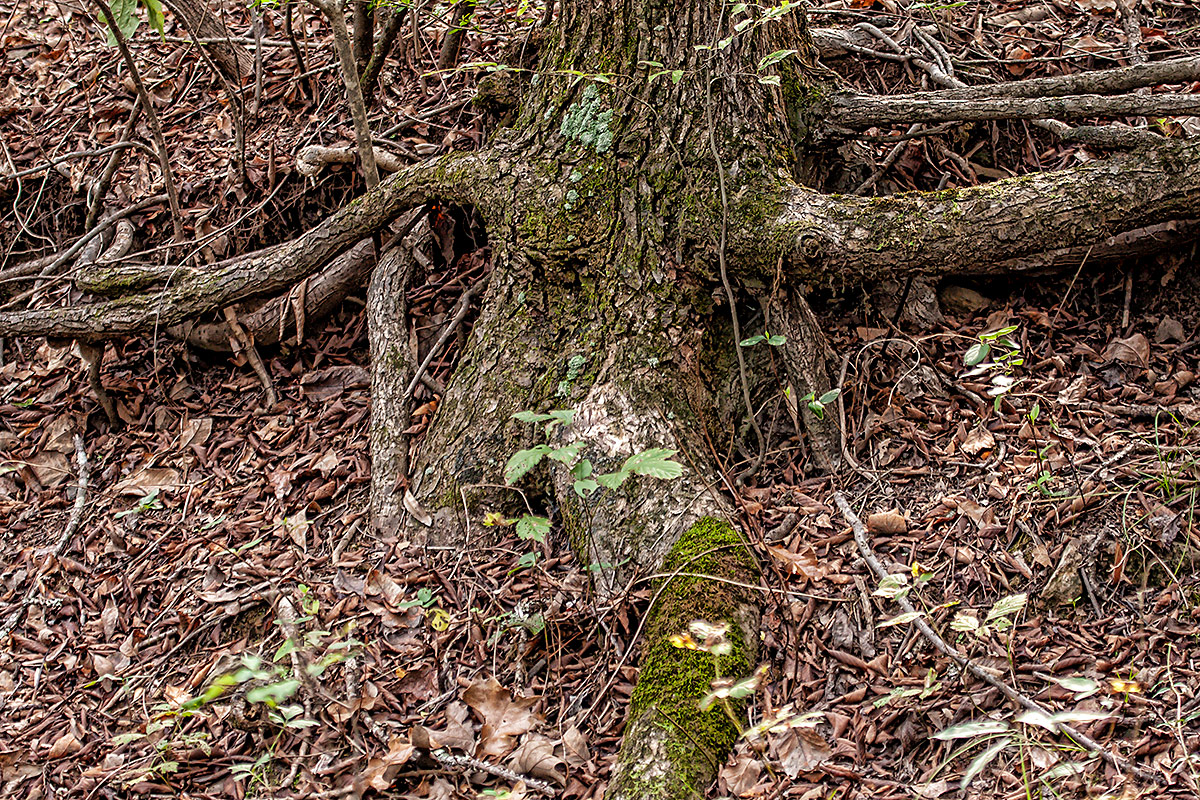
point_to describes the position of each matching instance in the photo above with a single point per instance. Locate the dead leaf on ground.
(806, 564)
(887, 522)
(331, 383)
(1133, 350)
(49, 468)
(536, 756)
(800, 750)
(504, 718)
(144, 481)
(979, 440)
(380, 772)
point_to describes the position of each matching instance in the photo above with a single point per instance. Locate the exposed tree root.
(672, 748)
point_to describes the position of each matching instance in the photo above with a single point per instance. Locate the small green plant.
(655, 462)
(125, 13)
(1005, 356)
(773, 339)
(817, 404)
(999, 618)
(149, 502)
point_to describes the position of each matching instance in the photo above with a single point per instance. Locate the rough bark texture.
(607, 204)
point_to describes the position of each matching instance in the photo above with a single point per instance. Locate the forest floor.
(149, 654)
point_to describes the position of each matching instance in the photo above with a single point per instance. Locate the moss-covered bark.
(672, 747)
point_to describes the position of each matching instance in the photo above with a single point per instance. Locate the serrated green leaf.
(531, 416)
(564, 415)
(522, 461)
(976, 354)
(613, 480)
(892, 586)
(566, 454)
(965, 623)
(655, 463)
(1007, 606)
(533, 527)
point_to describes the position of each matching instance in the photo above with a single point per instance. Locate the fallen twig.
(868, 555)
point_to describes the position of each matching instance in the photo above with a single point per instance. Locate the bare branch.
(1105, 81)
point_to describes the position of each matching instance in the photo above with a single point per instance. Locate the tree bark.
(607, 210)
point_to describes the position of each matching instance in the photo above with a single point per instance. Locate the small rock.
(959, 301)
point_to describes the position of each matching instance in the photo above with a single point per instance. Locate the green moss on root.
(674, 680)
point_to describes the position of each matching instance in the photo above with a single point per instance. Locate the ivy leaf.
(522, 461)
(585, 486)
(655, 463)
(531, 527)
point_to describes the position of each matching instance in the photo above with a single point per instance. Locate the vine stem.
(160, 143)
(737, 329)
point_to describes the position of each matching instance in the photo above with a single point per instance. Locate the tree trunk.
(663, 147)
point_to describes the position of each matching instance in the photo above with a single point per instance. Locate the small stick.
(464, 304)
(868, 555)
(60, 546)
(468, 763)
(241, 340)
(151, 117)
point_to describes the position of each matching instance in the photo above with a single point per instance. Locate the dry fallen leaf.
(145, 481)
(504, 718)
(536, 756)
(65, 745)
(887, 522)
(1134, 350)
(800, 750)
(979, 440)
(805, 563)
